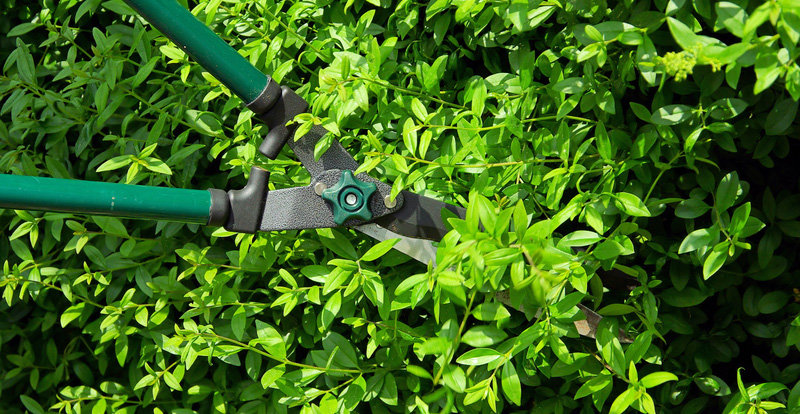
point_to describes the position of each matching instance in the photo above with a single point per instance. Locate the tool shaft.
(91, 197)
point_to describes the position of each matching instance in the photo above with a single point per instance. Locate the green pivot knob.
(349, 198)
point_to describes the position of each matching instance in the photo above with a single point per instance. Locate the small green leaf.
(781, 117)
(697, 239)
(641, 112)
(410, 138)
(418, 371)
(492, 311)
(72, 313)
(580, 238)
(633, 205)
(115, 163)
(21, 29)
(623, 401)
(419, 110)
(238, 322)
(727, 191)
(672, 114)
(608, 249)
(691, 208)
(683, 34)
(483, 336)
(713, 263)
(727, 108)
(481, 356)
(657, 378)
(331, 310)
(31, 405)
(378, 250)
(171, 381)
(272, 375)
(510, 382)
(616, 309)
(570, 85)
(156, 165)
(594, 385)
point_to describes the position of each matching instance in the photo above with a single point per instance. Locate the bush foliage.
(652, 138)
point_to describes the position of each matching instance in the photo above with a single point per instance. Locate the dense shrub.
(652, 138)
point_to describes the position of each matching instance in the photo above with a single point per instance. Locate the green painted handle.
(204, 46)
(91, 197)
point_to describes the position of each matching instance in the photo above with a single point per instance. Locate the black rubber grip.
(240, 210)
(247, 204)
(220, 208)
(285, 109)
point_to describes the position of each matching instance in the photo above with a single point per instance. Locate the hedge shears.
(335, 197)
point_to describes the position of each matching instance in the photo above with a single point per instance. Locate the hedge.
(586, 138)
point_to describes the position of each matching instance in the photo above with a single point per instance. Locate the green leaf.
(492, 311)
(594, 385)
(331, 310)
(510, 382)
(732, 17)
(72, 313)
(419, 110)
(757, 18)
(727, 191)
(580, 238)
(31, 405)
(608, 249)
(410, 138)
(727, 108)
(685, 298)
(115, 163)
(156, 165)
(657, 378)
(111, 226)
(623, 401)
(682, 34)
(480, 356)
(418, 371)
(270, 339)
(632, 205)
(101, 97)
(781, 117)
(378, 250)
(238, 322)
(272, 375)
(21, 29)
(713, 263)
(641, 112)
(672, 114)
(171, 381)
(570, 85)
(604, 145)
(483, 336)
(697, 239)
(616, 309)
(142, 315)
(691, 208)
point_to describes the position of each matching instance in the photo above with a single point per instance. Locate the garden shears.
(335, 197)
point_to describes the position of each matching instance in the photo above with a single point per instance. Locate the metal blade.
(422, 251)
(420, 217)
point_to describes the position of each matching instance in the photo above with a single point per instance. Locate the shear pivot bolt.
(319, 188)
(388, 202)
(349, 198)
